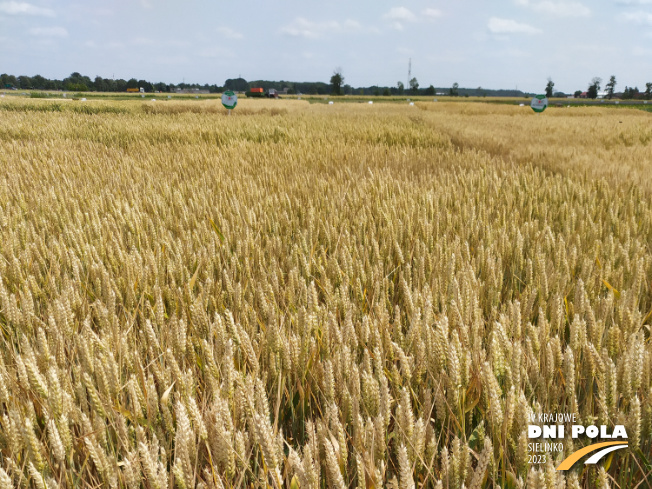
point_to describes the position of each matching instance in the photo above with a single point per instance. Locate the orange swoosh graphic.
(574, 457)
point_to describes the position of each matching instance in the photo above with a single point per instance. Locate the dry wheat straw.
(332, 295)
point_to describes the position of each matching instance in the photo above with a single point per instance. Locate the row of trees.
(338, 88)
(338, 79)
(242, 85)
(610, 90)
(81, 83)
(592, 92)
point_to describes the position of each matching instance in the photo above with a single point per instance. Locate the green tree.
(235, 84)
(336, 81)
(454, 91)
(99, 84)
(414, 85)
(39, 82)
(10, 81)
(77, 82)
(611, 86)
(630, 93)
(430, 90)
(577, 93)
(594, 88)
(549, 87)
(401, 88)
(648, 91)
(25, 82)
(146, 85)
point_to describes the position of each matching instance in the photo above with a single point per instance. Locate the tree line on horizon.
(593, 90)
(77, 82)
(80, 83)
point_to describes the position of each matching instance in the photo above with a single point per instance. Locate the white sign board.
(229, 99)
(539, 103)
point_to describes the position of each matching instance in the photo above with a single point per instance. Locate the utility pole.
(409, 72)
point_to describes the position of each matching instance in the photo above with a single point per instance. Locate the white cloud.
(167, 43)
(352, 25)
(641, 18)
(144, 41)
(400, 14)
(48, 32)
(557, 9)
(561, 9)
(431, 13)
(508, 26)
(308, 29)
(229, 33)
(23, 8)
(634, 2)
(311, 30)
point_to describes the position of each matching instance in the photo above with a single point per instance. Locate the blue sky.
(498, 44)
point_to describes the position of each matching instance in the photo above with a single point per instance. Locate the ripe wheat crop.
(317, 296)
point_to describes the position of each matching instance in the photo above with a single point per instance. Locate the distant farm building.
(257, 90)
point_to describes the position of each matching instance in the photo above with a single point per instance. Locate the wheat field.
(307, 296)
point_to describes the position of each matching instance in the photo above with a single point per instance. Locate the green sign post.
(539, 103)
(229, 100)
